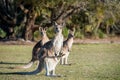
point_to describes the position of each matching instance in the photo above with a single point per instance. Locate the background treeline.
(91, 18)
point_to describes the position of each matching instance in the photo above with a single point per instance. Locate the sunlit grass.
(89, 62)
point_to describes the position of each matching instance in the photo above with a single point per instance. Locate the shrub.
(2, 33)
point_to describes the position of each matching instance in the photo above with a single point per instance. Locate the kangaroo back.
(36, 49)
(38, 46)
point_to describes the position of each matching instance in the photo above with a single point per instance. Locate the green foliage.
(65, 32)
(50, 32)
(2, 33)
(80, 35)
(87, 19)
(101, 34)
(37, 36)
(17, 31)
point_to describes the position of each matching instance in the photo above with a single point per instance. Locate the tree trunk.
(96, 29)
(11, 34)
(28, 27)
(8, 30)
(107, 29)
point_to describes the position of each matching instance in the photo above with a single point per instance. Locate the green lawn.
(89, 62)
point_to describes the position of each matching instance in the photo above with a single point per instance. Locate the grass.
(89, 62)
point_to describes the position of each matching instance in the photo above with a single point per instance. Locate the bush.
(79, 34)
(101, 34)
(2, 33)
(65, 32)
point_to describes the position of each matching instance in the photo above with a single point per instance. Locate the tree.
(18, 17)
(7, 16)
(29, 10)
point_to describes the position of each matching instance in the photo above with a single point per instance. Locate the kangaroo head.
(42, 31)
(71, 33)
(58, 27)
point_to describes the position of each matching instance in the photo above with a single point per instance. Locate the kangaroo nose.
(55, 54)
(41, 33)
(56, 31)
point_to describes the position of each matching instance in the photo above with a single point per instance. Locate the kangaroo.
(49, 55)
(67, 44)
(36, 48)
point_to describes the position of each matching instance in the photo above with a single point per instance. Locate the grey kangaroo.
(67, 44)
(36, 48)
(50, 54)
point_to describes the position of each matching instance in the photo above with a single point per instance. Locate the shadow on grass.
(29, 73)
(16, 73)
(9, 63)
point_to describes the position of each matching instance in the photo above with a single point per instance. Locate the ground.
(81, 41)
(88, 62)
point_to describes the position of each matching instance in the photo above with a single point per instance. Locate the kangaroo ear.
(55, 23)
(73, 29)
(45, 28)
(40, 28)
(63, 24)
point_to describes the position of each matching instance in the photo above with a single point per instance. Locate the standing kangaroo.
(50, 52)
(67, 44)
(37, 48)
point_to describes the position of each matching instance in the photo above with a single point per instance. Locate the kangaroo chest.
(70, 42)
(58, 43)
(44, 40)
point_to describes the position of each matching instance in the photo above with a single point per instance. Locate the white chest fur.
(58, 43)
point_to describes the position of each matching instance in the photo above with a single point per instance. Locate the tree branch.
(5, 18)
(23, 9)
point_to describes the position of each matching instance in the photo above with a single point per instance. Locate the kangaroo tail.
(28, 65)
(38, 70)
(40, 67)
